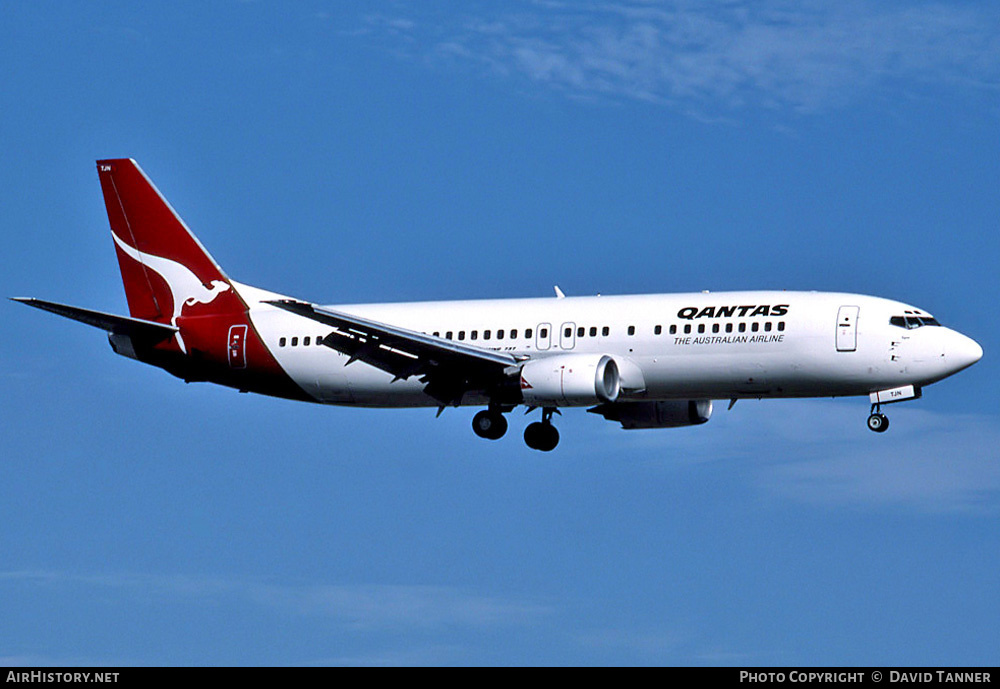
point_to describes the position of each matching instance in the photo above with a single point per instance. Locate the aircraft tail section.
(170, 279)
(186, 316)
(166, 271)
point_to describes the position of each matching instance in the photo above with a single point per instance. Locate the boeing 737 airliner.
(648, 361)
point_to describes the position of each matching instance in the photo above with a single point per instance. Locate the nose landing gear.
(878, 421)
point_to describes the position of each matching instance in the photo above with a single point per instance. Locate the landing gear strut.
(542, 435)
(489, 424)
(878, 421)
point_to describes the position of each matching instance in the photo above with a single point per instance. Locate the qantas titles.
(692, 312)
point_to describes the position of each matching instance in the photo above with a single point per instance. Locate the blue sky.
(348, 152)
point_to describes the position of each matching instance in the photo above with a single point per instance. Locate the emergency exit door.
(567, 336)
(847, 328)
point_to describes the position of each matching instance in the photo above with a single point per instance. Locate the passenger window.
(715, 327)
(527, 333)
(319, 340)
(605, 331)
(781, 325)
(673, 330)
(281, 342)
(475, 335)
(295, 342)
(513, 334)
(448, 335)
(729, 327)
(461, 334)
(486, 334)
(580, 331)
(743, 327)
(687, 329)
(701, 327)
(437, 333)
(544, 332)
(307, 341)
(593, 332)
(658, 330)
(567, 332)
(499, 334)
(767, 327)
(755, 326)
(631, 330)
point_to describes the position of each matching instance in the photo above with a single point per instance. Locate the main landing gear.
(542, 435)
(489, 424)
(878, 421)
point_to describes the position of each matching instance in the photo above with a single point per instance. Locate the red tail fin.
(165, 269)
(167, 273)
(170, 278)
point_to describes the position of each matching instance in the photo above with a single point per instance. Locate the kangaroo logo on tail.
(185, 287)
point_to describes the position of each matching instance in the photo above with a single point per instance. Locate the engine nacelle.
(668, 414)
(570, 380)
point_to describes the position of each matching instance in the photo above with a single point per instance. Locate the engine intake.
(667, 414)
(570, 380)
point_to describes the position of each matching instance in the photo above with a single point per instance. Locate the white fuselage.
(644, 361)
(718, 345)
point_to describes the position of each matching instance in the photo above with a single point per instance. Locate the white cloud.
(407, 657)
(370, 606)
(937, 464)
(819, 452)
(720, 56)
(384, 606)
(656, 643)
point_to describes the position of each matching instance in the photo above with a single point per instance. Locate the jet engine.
(667, 414)
(570, 380)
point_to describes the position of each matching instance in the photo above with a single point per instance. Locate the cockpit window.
(912, 321)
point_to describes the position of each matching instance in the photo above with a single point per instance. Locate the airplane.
(643, 361)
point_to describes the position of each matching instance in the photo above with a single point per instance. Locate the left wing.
(450, 369)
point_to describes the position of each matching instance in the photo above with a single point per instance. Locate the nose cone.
(962, 351)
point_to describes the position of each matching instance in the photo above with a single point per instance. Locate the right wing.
(450, 369)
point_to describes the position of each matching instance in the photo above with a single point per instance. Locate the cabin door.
(238, 346)
(847, 328)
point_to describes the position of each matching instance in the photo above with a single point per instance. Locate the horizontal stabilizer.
(124, 325)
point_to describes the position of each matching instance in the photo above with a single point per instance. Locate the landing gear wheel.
(541, 436)
(489, 424)
(878, 422)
